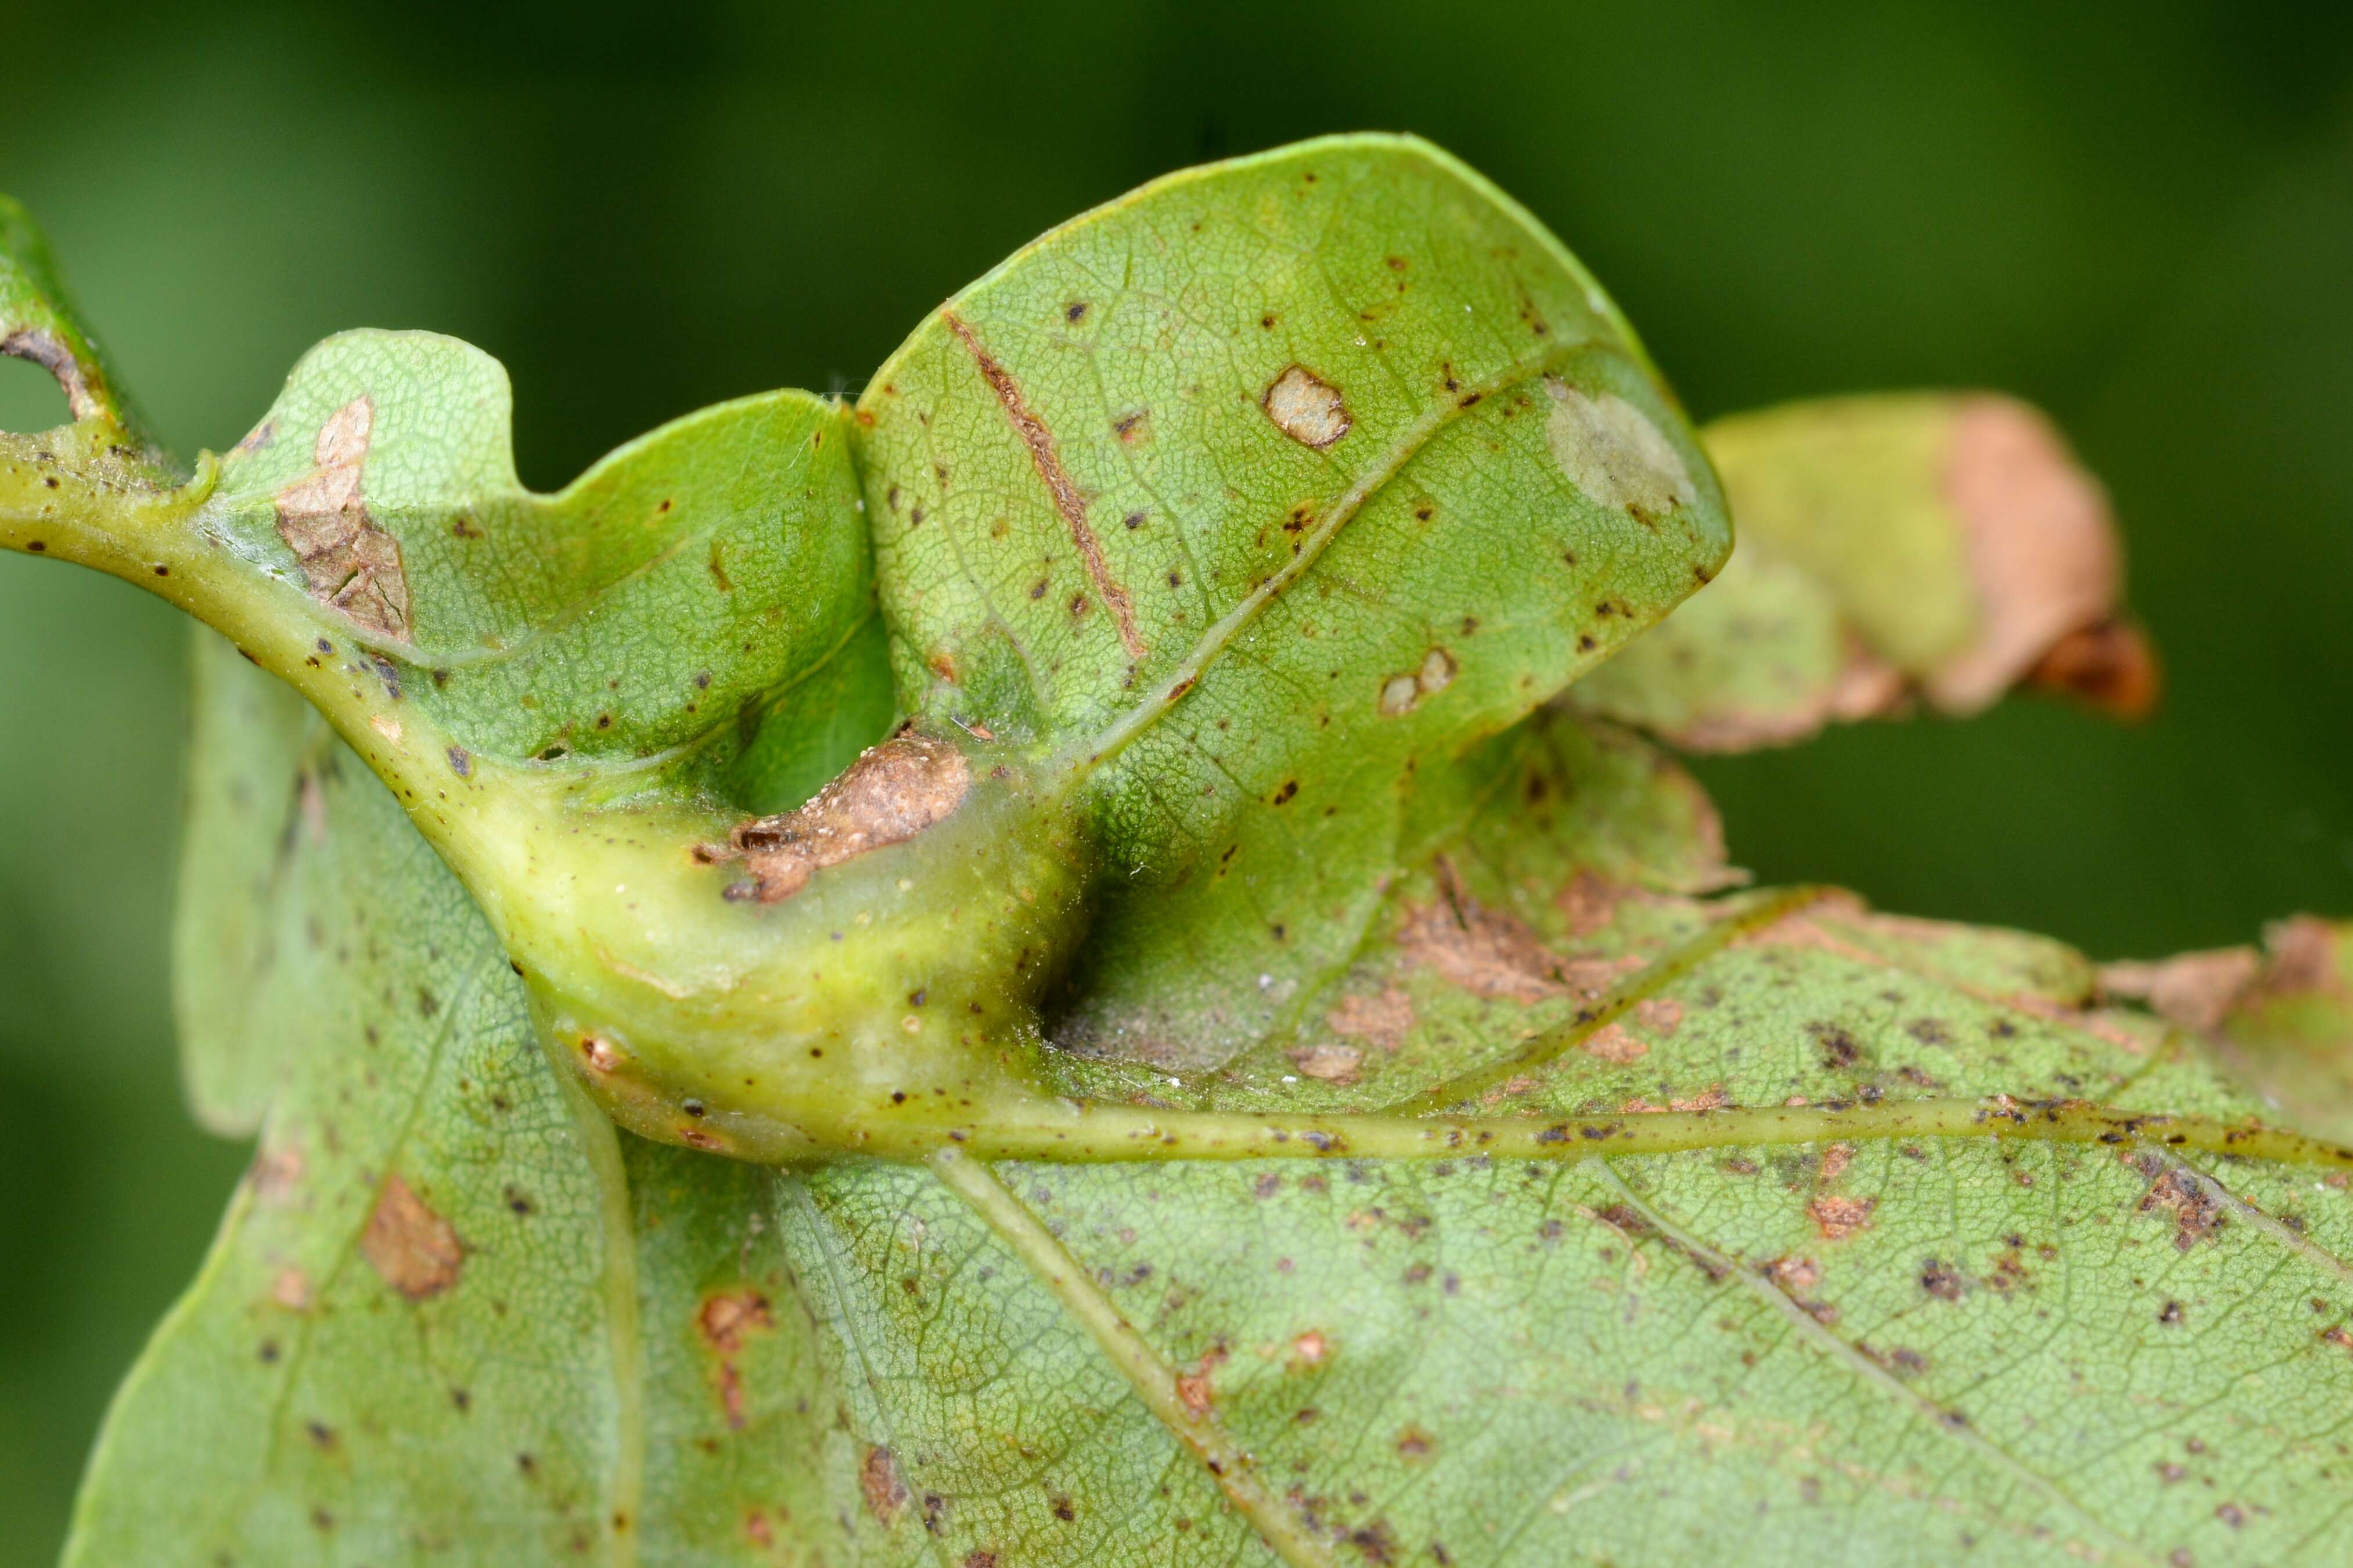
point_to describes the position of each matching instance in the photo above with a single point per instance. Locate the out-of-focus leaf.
(2280, 1018)
(1942, 545)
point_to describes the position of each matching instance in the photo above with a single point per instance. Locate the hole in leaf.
(30, 398)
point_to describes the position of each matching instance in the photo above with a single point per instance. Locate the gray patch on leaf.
(1306, 407)
(347, 561)
(1613, 454)
(1403, 693)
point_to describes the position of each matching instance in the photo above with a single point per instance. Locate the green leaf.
(39, 323)
(663, 600)
(1334, 444)
(1261, 1081)
(1942, 545)
(450, 1315)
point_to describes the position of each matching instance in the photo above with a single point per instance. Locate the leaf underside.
(454, 1316)
(1939, 1348)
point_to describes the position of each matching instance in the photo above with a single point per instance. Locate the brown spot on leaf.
(2197, 1211)
(1838, 1047)
(276, 1175)
(1414, 1445)
(1306, 407)
(1195, 1390)
(724, 1321)
(1612, 1043)
(1384, 1020)
(347, 561)
(1068, 501)
(1490, 951)
(1331, 1064)
(1837, 1216)
(878, 1484)
(412, 1247)
(1310, 1348)
(1589, 903)
(1659, 1015)
(891, 793)
(292, 1289)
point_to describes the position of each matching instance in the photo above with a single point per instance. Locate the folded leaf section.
(1255, 492)
(656, 602)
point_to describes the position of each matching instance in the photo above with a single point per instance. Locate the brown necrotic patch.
(1837, 1216)
(1331, 1064)
(891, 793)
(1491, 952)
(2196, 1208)
(347, 561)
(723, 1322)
(1384, 1020)
(1306, 407)
(878, 1484)
(413, 1248)
(1068, 501)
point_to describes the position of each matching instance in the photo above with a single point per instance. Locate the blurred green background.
(2138, 214)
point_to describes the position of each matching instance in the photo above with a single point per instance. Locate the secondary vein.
(1151, 1376)
(1613, 1005)
(1811, 1330)
(1416, 435)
